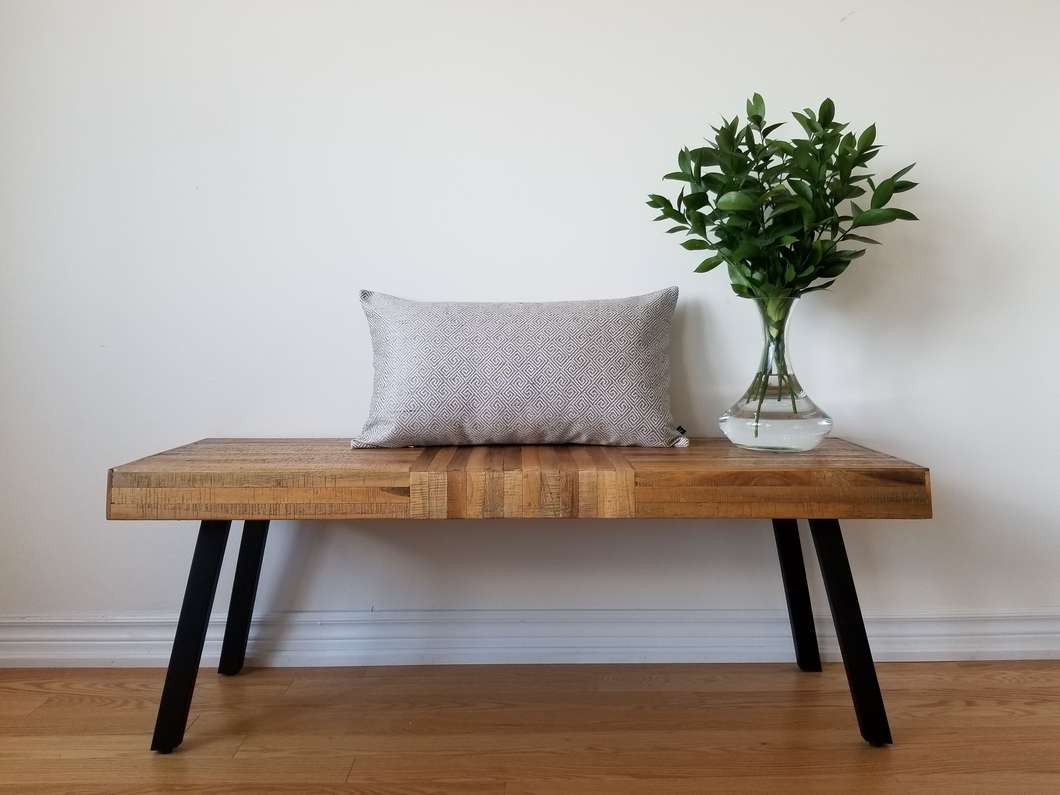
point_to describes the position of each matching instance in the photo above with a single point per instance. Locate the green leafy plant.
(776, 211)
(780, 214)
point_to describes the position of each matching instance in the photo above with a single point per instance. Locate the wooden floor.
(963, 728)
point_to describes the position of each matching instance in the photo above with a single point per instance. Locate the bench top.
(326, 479)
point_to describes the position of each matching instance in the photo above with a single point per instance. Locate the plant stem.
(774, 359)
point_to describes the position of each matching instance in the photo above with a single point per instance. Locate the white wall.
(191, 194)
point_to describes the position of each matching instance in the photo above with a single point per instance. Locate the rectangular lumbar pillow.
(566, 372)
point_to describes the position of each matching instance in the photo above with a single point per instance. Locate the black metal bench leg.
(850, 631)
(191, 634)
(245, 588)
(797, 592)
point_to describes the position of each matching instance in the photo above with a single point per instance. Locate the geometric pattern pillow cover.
(577, 372)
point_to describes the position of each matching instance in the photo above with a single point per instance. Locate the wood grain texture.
(326, 479)
(538, 730)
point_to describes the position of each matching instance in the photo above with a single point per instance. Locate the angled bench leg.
(245, 588)
(850, 631)
(797, 592)
(191, 634)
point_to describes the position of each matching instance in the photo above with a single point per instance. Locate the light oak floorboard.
(531, 730)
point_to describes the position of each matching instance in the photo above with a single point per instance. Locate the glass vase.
(775, 413)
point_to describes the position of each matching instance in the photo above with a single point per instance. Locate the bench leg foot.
(245, 588)
(850, 631)
(191, 634)
(797, 592)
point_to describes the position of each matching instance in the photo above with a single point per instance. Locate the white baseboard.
(402, 637)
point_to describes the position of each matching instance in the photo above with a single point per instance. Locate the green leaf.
(696, 245)
(860, 239)
(693, 201)
(898, 175)
(736, 276)
(866, 156)
(808, 214)
(814, 289)
(705, 156)
(875, 217)
(826, 113)
(802, 189)
(780, 209)
(684, 161)
(697, 221)
(740, 284)
(882, 194)
(803, 122)
(715, 182)
(771, 128)
(788, 240)
(846, 255)
(789, 274)
(902, 185)
(745, 250)
(678, 175)
(905, 215)
(785, 147)
(710, 263)
(742, 290)
(866, 139)
(833, 270)
(676, 229)
(735, 200)
(777, 231)
(817, 253)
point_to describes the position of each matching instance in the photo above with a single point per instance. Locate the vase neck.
(776, 317)
(775, 314)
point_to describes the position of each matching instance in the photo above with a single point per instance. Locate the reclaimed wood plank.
(625, 501)
(456, 484)
(495, 483)
(551, 482)
(419, 490)
(438, 484)
(568, 479)
(476, 483)
(513, 483)
(531, 481)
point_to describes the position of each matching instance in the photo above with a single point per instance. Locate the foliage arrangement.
(781, 215)
(776, 211)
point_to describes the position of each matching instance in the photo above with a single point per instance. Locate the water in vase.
(775, 413)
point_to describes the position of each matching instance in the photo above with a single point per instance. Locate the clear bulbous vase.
(775, 413)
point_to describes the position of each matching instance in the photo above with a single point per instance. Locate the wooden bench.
(216, 481)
